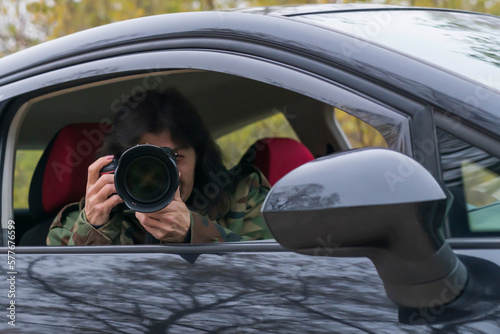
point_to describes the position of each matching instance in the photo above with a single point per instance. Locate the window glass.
(236, 143)
(472, 48)
(26, 161)
(473, 178)
(482, 196)
(358, 133)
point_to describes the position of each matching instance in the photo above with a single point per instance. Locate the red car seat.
(60, 176)
(276, 157)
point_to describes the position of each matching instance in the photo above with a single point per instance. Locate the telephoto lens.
(146, 177)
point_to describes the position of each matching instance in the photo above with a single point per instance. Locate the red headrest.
(60, 177)
(276, 157)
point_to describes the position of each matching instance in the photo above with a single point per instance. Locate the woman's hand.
(169, 224)
(99, 198)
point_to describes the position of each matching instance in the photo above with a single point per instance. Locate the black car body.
(238, 67)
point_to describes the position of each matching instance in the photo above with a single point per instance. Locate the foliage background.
(24, 23)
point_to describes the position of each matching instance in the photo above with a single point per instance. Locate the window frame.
(283, 75)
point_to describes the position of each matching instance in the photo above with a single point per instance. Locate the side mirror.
(373, 203)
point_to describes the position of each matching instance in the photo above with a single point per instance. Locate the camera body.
(146, 177)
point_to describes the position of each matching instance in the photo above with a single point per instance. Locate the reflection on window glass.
(236, 143)
(459, 42)
(473, 178)
(26, 161)
(482, 195)
(359, 133)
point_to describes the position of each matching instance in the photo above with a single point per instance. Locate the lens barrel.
(146, 177)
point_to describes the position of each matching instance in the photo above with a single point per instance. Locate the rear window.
(233, 145)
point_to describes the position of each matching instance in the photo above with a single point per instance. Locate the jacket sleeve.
(61, 230)
(243, 220)
(71, 228)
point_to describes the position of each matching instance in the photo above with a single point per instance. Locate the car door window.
(358, 133)
(227, 94)
(473, 178)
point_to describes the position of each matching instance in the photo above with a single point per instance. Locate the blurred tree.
(68, 16)
(27, 22)
(62, 17)
(18, 29)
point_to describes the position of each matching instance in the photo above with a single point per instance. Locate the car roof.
(293, 10)
(158, 26)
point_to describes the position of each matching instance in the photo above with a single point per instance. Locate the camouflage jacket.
(235, 217)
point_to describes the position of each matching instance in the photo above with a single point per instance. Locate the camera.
(146, 177)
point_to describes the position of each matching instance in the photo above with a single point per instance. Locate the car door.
(255, 286)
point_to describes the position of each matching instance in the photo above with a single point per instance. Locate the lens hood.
(146, 177)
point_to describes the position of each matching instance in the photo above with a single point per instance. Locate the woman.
(212, 204)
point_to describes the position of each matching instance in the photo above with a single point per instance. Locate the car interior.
(69, 126)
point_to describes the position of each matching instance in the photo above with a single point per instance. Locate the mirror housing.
(374, 203)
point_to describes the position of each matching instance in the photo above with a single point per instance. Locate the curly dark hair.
(159, 111)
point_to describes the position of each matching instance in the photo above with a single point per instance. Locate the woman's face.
(186, 159)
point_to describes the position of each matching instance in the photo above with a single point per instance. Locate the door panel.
(238, 292)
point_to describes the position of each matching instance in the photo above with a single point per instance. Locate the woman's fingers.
(94, 169)
(99, 196)
(104, 189)
(151, 225)
(169, 224)
(113, 201)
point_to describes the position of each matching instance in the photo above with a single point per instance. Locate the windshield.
(467, 44)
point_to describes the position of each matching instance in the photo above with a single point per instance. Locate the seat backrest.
(276, 157)
(60, 177)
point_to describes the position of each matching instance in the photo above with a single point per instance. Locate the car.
(392, 225)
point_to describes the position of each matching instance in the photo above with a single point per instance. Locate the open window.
(296, 106)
